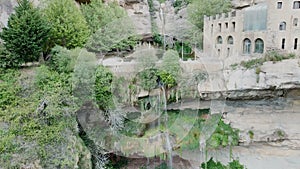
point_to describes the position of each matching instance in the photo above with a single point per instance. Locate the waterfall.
(169, 148)
(167, 136)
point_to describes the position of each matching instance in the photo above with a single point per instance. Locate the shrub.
(103, 88)
(224, 135)
(147, 79)
(63, 60)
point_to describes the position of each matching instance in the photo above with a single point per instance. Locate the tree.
(170, 63)
(98, 14)
(26, 33)
(116, 35)
(69, 28)
(198, 8)
(103, 88)
(170, 70)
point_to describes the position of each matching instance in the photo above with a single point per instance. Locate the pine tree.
(68, 26)
(26, 33)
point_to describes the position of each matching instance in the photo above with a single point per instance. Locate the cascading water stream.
(166, 133)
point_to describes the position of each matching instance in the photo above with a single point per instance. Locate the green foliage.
(170, 63)
(235, 164)
(110, 27)
(103, 88)
(163, 166)
(211, 164)
(224, 135)
(270, 56)
(251, 134)
(25, 35)
(69, 28)
(147, 79)
(40, 119)
(63, 60)
(117, 35)
(180, 3)
(170, 70)
(8, 88)
(98, 14)
(146, 59)
(198, 8)
(167, 79)
(8, 59)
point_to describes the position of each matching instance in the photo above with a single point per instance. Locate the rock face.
(138, 11)
(271, 79)
(6, 7)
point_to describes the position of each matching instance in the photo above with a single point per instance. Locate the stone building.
(254, 30)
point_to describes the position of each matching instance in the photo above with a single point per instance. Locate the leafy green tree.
(198, 8)
(170, 70)
(98, 14)
(103, 86)
(117, 35)
(170, 63)
(25, 35)
(147, 79)
(69, 28)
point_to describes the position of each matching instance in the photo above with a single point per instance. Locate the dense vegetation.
(197, 9)
(211, 164)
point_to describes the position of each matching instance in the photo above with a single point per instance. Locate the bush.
(98, 14)
(224, 135)
(103, 88)
(147, 79)
(63, 60)
(211, 164)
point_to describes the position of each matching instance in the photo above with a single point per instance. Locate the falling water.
(203, 151)
(167, 136)
(169, 148)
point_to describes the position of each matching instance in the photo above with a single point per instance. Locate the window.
(282, 26)
(283, 43)
(230, 40)
(259, 46)
(296, 44)
(226, 25)
(219, 40)
(233, 26)
(233, 14)
(220, 27)
(296, 5)
(295, 22)
(279, 5)
(247, 46)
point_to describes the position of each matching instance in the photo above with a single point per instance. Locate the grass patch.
(270, 56)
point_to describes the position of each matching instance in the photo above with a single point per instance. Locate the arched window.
(259, 46)
(219, 40)
(230, 40)
(296, 5)
(295, 22)
(282, 26)
(247, 46)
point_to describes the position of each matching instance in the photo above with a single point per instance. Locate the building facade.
(254, 30)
